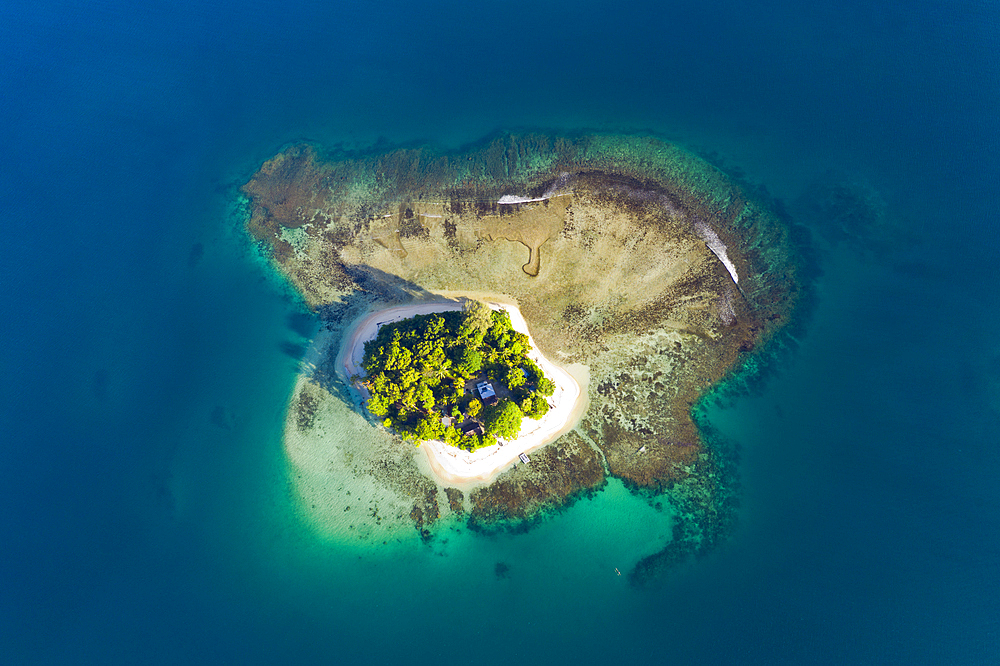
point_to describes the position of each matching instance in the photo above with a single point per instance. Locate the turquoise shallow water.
(147, 354)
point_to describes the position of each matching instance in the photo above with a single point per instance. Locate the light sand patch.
(329, 472)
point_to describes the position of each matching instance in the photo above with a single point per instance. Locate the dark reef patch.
(455, 500)
(557, 476)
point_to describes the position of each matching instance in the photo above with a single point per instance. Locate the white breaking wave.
(718, 248)
(514, 199)
(559, 183)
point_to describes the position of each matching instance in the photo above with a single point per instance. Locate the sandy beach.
(450, 464)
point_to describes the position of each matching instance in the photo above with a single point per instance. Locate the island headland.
(637, 266)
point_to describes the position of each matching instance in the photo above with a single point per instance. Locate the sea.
(147, 514)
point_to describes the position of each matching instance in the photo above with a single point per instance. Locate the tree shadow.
(375, 289)
(293, 350)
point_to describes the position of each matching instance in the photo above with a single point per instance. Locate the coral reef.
(625, 254)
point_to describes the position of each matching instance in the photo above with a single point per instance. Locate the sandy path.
(452, 465)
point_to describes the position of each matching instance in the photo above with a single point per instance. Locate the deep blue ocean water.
(147, 354)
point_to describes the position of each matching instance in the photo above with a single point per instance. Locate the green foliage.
(378, 405)
(546, 386)
(451, 436)
(535, 406)
(503, 419)
(417, 369)
(474, 408)
(514, 378)
(469, 361)
(499, 333)
(534, 372)
(473, 442)
(429, 427)
(478, 318)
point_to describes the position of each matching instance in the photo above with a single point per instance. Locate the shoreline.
(450, 465)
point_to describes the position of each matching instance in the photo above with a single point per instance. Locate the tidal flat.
(625, 254)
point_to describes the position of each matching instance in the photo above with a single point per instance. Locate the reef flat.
(625, 254)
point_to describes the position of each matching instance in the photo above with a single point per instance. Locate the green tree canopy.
(417, 371)
(470, 360)
(478, 318)
(514, 378)
(429, 427)
(503, 419)
(535, 406)
(474, 408)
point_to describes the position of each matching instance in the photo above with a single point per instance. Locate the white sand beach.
(452, 465)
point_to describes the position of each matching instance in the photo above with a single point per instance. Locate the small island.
(662, 284)
(464, 378)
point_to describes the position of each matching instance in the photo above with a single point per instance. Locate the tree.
(503, 419)
(425, 396)
(478, 319)
(428, 427)
(534, 372)
(526, 405)
(416, 371)
(377, 405)
(514, 378)
(457, 390)
(546, 386)
(435, 326)
(451, 436)
(470, 442)
(469, 361)
(474, 407)
(535, 406)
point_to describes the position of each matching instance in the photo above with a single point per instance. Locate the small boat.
(524, 457)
